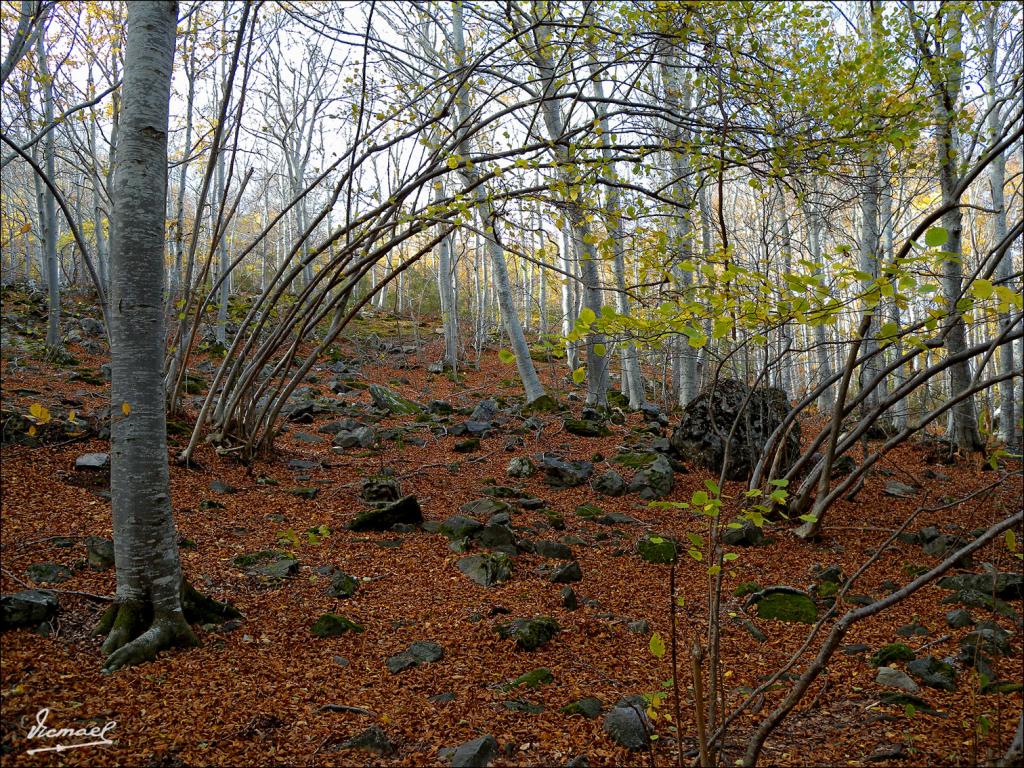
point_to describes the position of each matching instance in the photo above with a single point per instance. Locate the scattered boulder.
(933, 673)
(565, 474)
(639, 627)
(92, 461)
(520, 466)
(988, 639)
(494, 535)
(381, 518)
(27, 608)
(747, 534)
(708, 420)
(459, 527)
(469, 445)
(529, 634)
(609, 483)
(553, 550)
(891, 677)
(420, 652)
(585, 427)
(566, 574)
(1006, 586)
(99, 552)
(360, 437)
(389, 400)
(477, 753)
(655, 481)
(959, 618)
(533, 679)
(333, 625)
(380, 489)
(48, 573)
(487, 570)
(890, 653)
(484, 507)
(373, 739)
(342, 585)
(627, 723)
(589, 708)
(486, 410)
(660, 550)
(899, 490)
(784, 604)
(568, 599)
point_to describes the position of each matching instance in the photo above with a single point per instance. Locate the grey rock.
(405, 510)
(747, 535)
(420, 652)
(484, 507)
(495, 535)
(520, 466)
(487, 570)
(460, 526)
(99, 552)
(342, 585)
(628, 725)
(568, 599)
(486, 410)
(959, 618)
(373, 739)
(477, 753)
(219, 486)
(894, 678)
(703, 434)
(529, 634)
(933, 673)
(565, 474)
(48, 573)
(655, 481)
(1006, 586)
(899, 490)
(639, 627)
(553, 550)
(93, 461)
(589, 707)
(567, 574)
(27, 608)
(609, 483)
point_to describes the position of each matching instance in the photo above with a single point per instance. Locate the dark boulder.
(703, 434)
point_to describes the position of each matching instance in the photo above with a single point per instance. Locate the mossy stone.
(785, 604)
(533, 679)
(333, 625)
(660, 550)
(891, 653)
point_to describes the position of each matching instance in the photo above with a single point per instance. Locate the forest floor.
(254, 692)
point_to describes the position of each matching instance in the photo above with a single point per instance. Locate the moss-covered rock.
(589, 511)
(585, 428)
(529, 634)
(332, 625)
(933, 673)
(389, 400)
(487, 570)
(660, 550)
(381, 518)
(589, 708)
(785, 604)
(533, 679)
(342, 585)
(745, 588)
(891, 653)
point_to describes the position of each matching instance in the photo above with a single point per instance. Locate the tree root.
(134, 634)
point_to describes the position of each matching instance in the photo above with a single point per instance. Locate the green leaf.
(600, 350)
(696, 540)
(699, 499)
(982, 288)
(587, 316)
(935, 237)
(696, 554)
(1011, 541)
(712, 486)
(714, 570)
(579, 375)
(809, 518)
(729, 556)
(657, 646)
(506, 357)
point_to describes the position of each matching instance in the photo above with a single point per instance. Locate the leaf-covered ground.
(255, 694)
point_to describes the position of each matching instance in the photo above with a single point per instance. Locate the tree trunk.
(49, 210)
(148, 614)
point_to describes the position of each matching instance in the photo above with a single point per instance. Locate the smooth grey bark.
(885, 214)
(446, 291)
(31, 19)
(814, 243)
(946, 74)
(568, 302)
(149, 614)
(489, 223)
(179, 219)
(594, 341)
(785, 333)
(49, 209)
(997, 181)
(678, 97)
(632, 379)
(102, 255)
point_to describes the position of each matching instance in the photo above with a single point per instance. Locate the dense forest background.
(763, 258)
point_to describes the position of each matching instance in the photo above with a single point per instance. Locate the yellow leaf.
(31, 431)
(71, 417)
(35, 410)
(126, 409)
